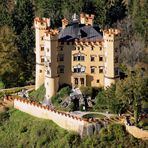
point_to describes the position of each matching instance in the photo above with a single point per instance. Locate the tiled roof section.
(79, 31)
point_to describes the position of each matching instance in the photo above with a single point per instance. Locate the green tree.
(5, 18)
(107, 100)
(116, 11)
(10, 57)
(23, 16)
(138, 12)
(98, 8)
(132, 91)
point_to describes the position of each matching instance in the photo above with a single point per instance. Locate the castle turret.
(51, 64)
(111, 51)
(87, 19)
(40, 27)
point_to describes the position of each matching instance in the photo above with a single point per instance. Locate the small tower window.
(82, 81)
(48, 72)
(100, 69)
(92, 69)
(42, 48)
(61, 57)
(61, 69)
(100, 48)
(75, 58)
(42, 38)
(42, 60)
(78, 48)
(92, 58)
(98, 81)
(92, 47)
(40, 71)
(100, 58)
(76, 81)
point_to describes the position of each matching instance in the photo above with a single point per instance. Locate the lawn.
(93, 116)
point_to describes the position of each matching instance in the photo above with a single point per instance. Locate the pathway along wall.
(64, 120)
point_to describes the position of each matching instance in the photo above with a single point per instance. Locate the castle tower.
(51, 64)
(40, 27)
(111, 51)
(87, 19)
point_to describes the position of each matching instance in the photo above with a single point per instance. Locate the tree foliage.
(127, 94)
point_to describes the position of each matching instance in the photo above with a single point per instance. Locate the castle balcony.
(78, 79)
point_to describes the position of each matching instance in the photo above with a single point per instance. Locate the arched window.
(79, 57)
(79, 69)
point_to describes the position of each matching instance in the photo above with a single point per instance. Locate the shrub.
(64, 92)
(2, 85)
(38, 95)
(87, 91)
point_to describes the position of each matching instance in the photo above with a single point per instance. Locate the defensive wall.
(64, 120)
(137, 132)
(67, 121)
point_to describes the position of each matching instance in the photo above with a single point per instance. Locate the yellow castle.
(77, 54)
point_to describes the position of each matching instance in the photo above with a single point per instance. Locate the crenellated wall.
(64, 120)
(137, 132)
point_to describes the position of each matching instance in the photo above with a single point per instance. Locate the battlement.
(49, 109)
(42, 23)
(112, 31)
(86, 19)
(52, 32)
(86, 42)
(64, 23)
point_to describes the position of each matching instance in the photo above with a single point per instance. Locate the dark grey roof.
(79, 31)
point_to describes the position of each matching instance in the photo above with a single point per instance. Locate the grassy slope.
(38, 95)
(23, 130)
(19, 129)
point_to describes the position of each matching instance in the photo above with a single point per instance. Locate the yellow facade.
(76, 62)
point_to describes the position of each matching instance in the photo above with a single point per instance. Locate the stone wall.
(137, 132)
(64, 120)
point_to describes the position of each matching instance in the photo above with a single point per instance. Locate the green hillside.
(20, 130)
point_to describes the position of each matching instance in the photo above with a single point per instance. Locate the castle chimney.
(64, 23)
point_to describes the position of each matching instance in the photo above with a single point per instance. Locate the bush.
(64, 92)
(10, 91)
(2, 85)
(87, 91)
(58, 98)
(38, 95)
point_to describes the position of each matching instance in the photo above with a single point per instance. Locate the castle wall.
(51, 76)
(40, 28)
(88, 50)
(64, 120)
(137, 133)
(51, 85)
(66, 50)
(111, 52)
